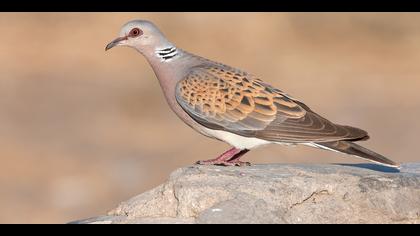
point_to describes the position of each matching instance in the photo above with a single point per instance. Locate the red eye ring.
(135, 32)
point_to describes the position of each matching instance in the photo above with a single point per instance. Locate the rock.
(278, 193)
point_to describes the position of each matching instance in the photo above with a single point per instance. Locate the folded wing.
(223, 98)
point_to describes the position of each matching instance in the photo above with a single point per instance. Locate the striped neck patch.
(166, 54)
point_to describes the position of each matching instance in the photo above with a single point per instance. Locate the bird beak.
(115, 42)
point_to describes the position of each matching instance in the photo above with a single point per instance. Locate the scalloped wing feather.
(223, 98)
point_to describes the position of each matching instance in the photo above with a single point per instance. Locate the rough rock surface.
(278, 193)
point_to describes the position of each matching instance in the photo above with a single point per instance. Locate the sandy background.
(82, 129)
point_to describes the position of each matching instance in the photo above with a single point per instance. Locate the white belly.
(237, 141)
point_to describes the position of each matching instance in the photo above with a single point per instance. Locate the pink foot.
(228, 158)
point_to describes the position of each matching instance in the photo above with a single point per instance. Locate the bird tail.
(351, 148)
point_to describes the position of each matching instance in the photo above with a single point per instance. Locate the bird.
(234, 106)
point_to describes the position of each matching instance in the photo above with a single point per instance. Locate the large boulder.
(278, 193)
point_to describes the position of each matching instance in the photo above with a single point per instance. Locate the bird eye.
(135, 32)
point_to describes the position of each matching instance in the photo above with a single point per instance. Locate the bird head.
(138, 34)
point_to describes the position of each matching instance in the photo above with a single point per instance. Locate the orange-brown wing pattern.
(224, 98)
(231, 99)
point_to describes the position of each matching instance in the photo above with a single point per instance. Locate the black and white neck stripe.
(167, 53)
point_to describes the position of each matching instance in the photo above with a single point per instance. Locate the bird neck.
(170, 65)
(164, 61)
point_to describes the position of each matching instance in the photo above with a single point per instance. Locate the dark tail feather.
(357, 150)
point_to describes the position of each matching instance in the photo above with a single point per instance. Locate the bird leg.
(229, 158)
(235, 159)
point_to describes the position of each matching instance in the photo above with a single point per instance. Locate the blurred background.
(82, 129)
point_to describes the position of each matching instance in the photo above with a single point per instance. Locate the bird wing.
(224, 98)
